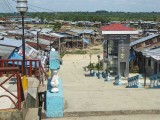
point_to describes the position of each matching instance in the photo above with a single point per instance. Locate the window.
(138, 45)
(143, 44)
(147, 42)
(154, 40)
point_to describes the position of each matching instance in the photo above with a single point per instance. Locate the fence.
(33, 67)
(20, 94)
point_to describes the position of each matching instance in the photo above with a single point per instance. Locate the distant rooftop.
(46, 30)
(81, 31)
(143, 39)
(117, 29)
(10, 42)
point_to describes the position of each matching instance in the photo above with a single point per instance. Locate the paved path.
(85, 95)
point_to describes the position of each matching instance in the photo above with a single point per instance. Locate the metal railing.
(13, 68)
(20, 95)
(33, 67)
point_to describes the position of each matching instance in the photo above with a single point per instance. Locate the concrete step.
(33, 114)
(110, 113)
(115, 117)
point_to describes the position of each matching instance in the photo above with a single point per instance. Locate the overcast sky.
(93, 5)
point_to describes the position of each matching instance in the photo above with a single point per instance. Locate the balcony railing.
(33, 68)
(20, 95)
(13, 68)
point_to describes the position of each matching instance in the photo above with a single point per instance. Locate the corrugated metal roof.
(11, 42)
(81, 31)
(5, 51)
(56, 35)
(154, 53)
(89, 31)
(1, 27)
(143, 39)
(71, 33)
(46, 30)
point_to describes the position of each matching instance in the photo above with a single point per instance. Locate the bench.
(117, 80)
(133, 82)
(154, 81)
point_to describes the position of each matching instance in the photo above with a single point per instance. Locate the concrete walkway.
(87, 96)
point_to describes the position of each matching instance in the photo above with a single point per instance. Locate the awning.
(85, 40)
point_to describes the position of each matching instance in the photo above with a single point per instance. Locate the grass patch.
(76, 52)
(95, 49)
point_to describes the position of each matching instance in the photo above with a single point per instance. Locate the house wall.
(151, 66)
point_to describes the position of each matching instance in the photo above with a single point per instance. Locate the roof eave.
(119, 32)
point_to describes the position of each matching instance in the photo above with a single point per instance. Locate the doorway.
(123, 69)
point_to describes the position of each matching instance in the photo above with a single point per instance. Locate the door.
(123, 69)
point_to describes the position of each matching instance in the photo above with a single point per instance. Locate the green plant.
(135, 69)
(99, 65)
(91, 66)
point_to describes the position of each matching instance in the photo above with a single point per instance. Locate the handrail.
(32, 67)
(20, 94)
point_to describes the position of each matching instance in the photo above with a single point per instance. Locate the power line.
(40, 8)
(7, 6)
(37, 7)
(33, 9)
(3, 7)
(10, 6)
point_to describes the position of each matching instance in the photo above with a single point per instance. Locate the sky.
(91, 5)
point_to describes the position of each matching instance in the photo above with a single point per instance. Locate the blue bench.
(154, 81)
(133, 82)
(100, 75)
(117, 80)
(107, 77)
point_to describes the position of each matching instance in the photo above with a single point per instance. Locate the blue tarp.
(85, 40)
(16, 56)
(132, 56)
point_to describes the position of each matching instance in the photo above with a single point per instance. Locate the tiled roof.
(116, 27)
